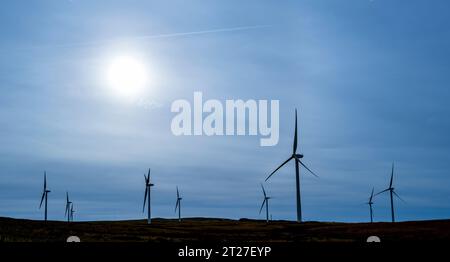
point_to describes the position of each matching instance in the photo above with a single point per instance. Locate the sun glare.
(127, 76)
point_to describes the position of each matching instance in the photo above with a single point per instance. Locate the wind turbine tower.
(370, 203)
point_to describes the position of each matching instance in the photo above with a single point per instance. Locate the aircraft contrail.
(147, 37)
(230, 29)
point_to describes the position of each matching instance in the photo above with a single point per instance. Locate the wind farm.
(298, 231)
(249, 121)
(296, 157)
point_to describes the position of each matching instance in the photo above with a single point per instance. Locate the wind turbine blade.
(145, 198)
(42, 199)
(148, 175)
(392, 176)
(382, 191)
(178, 194)
(295, 134)
(264, 191)
(262, 205)
(177, 204)
(45, 180)
(399, 197)
(301, 163)
(67, 203)
(284, 163)
(371, 195)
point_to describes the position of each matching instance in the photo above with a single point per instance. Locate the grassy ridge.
(220, 231)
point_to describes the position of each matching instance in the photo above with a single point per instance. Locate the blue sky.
(370, 79)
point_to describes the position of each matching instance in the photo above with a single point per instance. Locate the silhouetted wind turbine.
(178, 205)
(45, 195)
(148, 185)
(297, 161)
(370, 203)
(265, 202)
(68, 203)
(392, 192)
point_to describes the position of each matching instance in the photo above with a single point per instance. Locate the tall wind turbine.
(265, 202)
(178, 205)
(68, 204)
(370, 203)
(45, 195)
(148, 185)
(392, 193)
(297, 161)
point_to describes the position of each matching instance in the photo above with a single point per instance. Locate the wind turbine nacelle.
(299, 155)
(151, 184)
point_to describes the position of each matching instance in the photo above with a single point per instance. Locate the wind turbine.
(297, 161)
(178, 205)
(370, 203)
(45, 195)
(148, 185)
(265, 202)
(392, 193)
(68, 203)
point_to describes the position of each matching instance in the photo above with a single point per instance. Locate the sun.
(127, 76)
